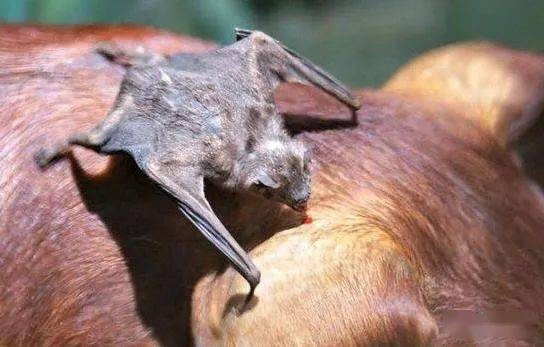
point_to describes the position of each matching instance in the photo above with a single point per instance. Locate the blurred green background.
(361, 42)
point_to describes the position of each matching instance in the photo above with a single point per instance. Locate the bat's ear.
(264, 179)
(499, 88)
(308, 151)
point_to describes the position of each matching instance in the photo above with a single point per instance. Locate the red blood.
(308, 220)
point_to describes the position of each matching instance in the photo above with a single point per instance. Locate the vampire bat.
(190, 117)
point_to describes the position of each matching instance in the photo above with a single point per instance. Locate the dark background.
(361, 42)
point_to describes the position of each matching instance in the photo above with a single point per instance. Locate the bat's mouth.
(301, 207)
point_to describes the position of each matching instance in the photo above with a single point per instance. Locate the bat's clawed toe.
(127, 57)
(241, 33)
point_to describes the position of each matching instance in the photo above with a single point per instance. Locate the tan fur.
(500, 88)
(422, 221)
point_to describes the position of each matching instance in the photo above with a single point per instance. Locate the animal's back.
(422, 222)
(65, 279)
(438, 239)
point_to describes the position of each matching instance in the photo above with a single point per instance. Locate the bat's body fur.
(211, 116)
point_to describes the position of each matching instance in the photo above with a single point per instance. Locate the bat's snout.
(300, 205)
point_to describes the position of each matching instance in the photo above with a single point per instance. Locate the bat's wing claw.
(241, 33)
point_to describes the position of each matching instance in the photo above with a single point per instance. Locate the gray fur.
(188, 117)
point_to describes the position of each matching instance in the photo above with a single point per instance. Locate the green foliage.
(362, 42)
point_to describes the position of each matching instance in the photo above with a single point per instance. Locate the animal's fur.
(425, 229)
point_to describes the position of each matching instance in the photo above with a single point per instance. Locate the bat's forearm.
(295, 67)
(210, 226)
(186, 185)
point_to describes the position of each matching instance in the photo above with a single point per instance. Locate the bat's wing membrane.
(187, 188)
(296, 68)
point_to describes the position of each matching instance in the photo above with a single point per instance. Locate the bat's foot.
(114, 53)
(128, 57)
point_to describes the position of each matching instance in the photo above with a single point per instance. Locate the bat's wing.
(186, 186)
(292, 67)
(129, 57)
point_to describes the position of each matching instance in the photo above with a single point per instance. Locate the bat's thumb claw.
(253, 279)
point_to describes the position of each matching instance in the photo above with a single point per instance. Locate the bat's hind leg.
(129, 57)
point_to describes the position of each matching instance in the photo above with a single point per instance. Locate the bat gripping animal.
(190, 117)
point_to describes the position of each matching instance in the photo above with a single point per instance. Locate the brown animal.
(425, 229)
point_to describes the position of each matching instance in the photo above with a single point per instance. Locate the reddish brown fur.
(421, 217)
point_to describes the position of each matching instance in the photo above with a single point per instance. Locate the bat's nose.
(299, 200)
(300, 205)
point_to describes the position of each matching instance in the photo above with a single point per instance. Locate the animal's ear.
(500, 88)
(267, 181)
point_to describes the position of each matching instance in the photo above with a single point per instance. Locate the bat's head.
(279, 169)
